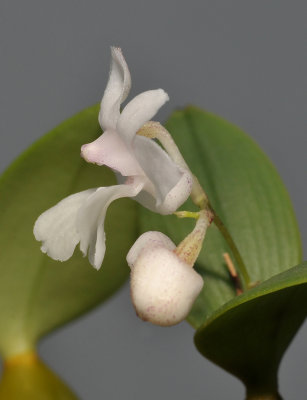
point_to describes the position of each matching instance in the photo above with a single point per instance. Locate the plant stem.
(233, 274)
(237, 256)
(264, 396)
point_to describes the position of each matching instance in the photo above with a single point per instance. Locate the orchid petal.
(177, 195)
(56, 227)
(116, 92)
(91, 216)
(148, 240)
(172, 184)
(111, 151)
(138, 111)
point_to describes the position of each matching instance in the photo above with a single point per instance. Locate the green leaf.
(246, 192)
(36, 293)
(249, 334)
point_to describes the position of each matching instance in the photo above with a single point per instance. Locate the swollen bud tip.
(163, 287)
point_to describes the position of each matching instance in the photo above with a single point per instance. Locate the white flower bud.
(163, 287)
(148, 239)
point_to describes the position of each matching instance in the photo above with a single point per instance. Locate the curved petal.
(172, 184)
(111, 151)
(116, 92)
(91, 218)
(138, 111)
(148, 240)
(177, 195)
(56, 227)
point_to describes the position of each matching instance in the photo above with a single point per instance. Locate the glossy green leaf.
(36, 293)
(249, 334)
(249, 196)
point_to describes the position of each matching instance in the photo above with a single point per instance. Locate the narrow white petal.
(56, 227)
(148, 240)
(116, 92)
(91, 216)
(172, 184)
(138, 111)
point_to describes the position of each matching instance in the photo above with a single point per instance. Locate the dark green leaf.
(36, 293)
(249, 334)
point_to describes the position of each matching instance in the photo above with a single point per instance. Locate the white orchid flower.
(144, 170)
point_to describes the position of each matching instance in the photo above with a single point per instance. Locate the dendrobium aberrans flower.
(144, 171)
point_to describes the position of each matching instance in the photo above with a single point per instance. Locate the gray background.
(244, 60)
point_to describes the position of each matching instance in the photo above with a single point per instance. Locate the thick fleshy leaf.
(249, 196)
(36, 293)
(249, 334)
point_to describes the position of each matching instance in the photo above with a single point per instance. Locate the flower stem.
(263, 396)
(233, 274)
(188, 250)
(236, 254)
(187, 214)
